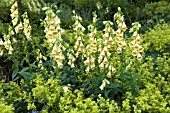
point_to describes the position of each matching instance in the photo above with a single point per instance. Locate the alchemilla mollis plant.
(87, 70)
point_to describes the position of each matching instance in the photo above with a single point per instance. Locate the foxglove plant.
(53, 34)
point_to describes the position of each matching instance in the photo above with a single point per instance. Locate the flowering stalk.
(53, 35)
(79, 29)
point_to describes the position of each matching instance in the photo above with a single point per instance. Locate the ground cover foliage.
(69, 56)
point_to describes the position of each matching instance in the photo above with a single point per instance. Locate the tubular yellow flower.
(15, 13)
(113, 70)
(101, 66)
(134, 52)
(120, 44)
(79, 50)
(1, 42)
(124, 28)
(124, 45)
(120, 25)
(135, 34)
(93, 66)
(14, 21)
(105, 61)
(69, 62)
(57, 58)
(137, 46)
(79, 39)
(106, 35)
(55, 33)
(113, 43)
(132, 44)
(102, 86)
(49, 34)
(139, 56)
(118, 32)
(100, 58)
(72, 65)
(141, 49)
(87, 62)
(102, 53)
(29, 28)
(51, 28)
(109, 75)
(131, 30)
(110, 40)
(138, 39)
(120, 36)
(52, 22)
(87, 69)
(108, 53)
(60, 65)
(81, 45)
(119, 50)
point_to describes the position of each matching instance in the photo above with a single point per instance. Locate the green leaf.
(24, 69)
(16, 78)
(26, 75)
(14, 73)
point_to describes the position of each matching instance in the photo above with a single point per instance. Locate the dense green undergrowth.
(104, 67)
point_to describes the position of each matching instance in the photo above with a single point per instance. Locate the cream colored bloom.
(65, 88)
(49, 34)
(106, 35)
(92, 66)
(124, 45)
(1, 42)
(139, 56)
(118, 32)
(141, 49)
(105, 61)
(109, 74)
(87, 62)
(113, 70)
(137, 46)
(60, 65)
(134, 52)
(100, 58)
(14, 21)
(138, 39)
(102, 86)
(101, 66)
(124, 28)
(119, 50)
(87, 69)
(135, 34)
(132, 44)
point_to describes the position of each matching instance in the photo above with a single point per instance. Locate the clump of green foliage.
(158, 38)
(83, 70)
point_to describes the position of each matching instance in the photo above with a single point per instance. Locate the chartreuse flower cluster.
(53, 34)
(5, 108)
